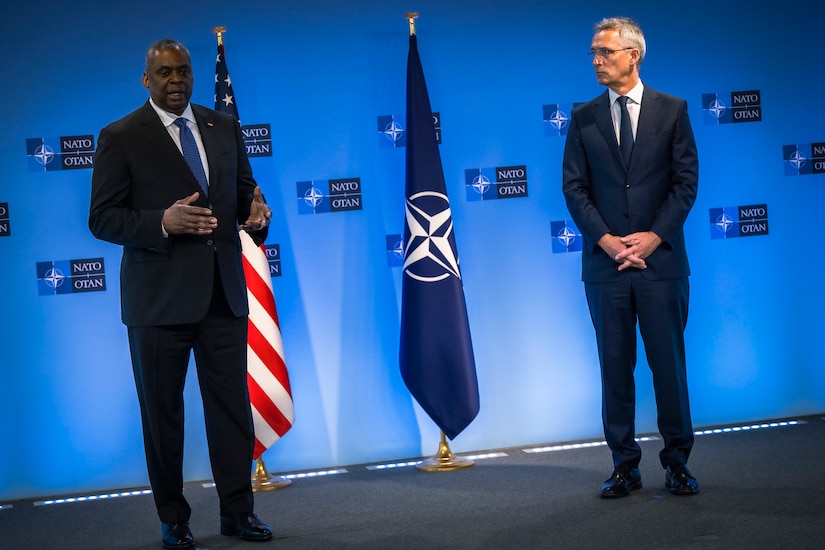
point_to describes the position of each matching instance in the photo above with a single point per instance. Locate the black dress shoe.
(246, 526)
(625, 478)
(176, 535)
(680, 481)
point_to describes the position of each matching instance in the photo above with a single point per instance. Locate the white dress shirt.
(634, 106)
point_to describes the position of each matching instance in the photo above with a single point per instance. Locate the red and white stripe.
(267, 377)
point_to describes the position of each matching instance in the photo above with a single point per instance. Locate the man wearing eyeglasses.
(630, 175)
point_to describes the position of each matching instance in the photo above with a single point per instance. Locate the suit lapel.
(604, 120)
(206, 127)
(159, 136)
(648, 116)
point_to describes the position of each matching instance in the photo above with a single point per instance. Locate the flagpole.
(219, 32)
(411, 17)
(444, 460)
(261, 479)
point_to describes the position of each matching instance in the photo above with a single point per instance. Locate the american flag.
(224, 95)
(267, 377)
(269, 391)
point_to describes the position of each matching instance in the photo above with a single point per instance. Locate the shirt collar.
(168, 118)
(635, 94)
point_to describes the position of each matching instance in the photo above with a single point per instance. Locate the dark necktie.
(190, 153)
(625, 131)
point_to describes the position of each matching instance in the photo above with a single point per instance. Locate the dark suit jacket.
(138, 173)
(655, 193)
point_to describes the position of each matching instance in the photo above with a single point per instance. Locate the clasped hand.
(631, 250)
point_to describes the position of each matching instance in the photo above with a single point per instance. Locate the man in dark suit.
(182, 281)
(630, 176)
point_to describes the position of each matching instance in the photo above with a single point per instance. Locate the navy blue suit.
(654, 193)
(181, 294)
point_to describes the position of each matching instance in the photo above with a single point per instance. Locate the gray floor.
(759, 489)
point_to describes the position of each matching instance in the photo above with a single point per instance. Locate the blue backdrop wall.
(321, 72)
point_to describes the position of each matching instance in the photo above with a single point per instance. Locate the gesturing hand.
(182, 217)
(259, 212)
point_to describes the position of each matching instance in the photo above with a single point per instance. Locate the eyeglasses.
(604, 52)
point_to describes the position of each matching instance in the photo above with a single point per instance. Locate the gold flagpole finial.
(411, 17)
(219, 31)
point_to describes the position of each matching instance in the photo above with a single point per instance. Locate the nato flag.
(436, 352)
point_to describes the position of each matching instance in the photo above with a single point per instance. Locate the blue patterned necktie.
(190, 153)
(625, 131)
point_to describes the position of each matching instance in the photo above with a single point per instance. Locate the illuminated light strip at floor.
(393, 465)
(6, 506)
(302, 475)
(316, 474)
(749, 427)
(728, 429)
(485, 455)
(570, 446)
(417, 462)
(69, 500)
(322, 473)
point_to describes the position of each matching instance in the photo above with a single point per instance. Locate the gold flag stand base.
(444, 460)
(262, 481)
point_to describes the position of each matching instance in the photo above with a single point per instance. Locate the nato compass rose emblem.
(797, 160)
(481, 184)
(398, 250)
(43, 154)
(566, 236)
(724, 223)
(558, 120)
(393, 131)
(54, 278)
(313, 197)
(430, 254)
(717, 109)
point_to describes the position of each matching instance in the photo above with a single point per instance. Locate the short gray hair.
(630, 33)
(163, 44)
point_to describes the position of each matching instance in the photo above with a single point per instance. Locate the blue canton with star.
(224, 95)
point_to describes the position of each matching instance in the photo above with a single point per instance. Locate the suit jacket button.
(627, 186)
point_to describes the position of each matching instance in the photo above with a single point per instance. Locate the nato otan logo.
(273, 257)
(566, 237)
(804, 159)
(70, 276)
(64, 153)
(556, 117)
(258, 140)
(730, 222)
(5, 220)
(318, 196)
(395, 250)
(503, 182)
(392, 132)
(724, 108)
